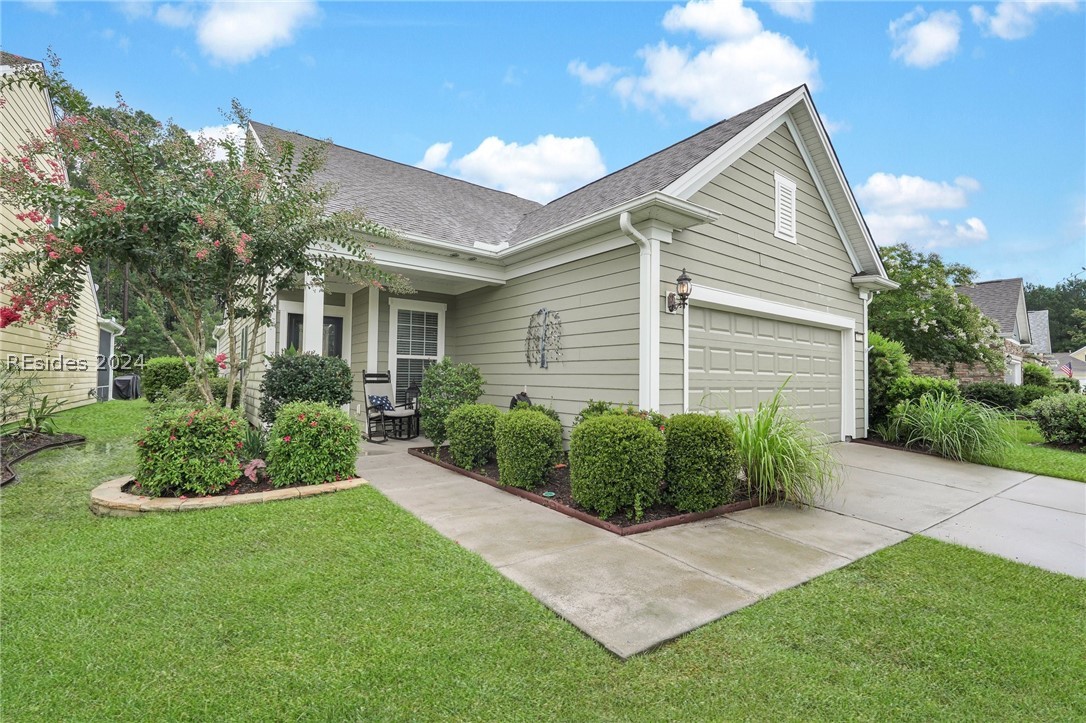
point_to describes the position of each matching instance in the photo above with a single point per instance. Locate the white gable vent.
(785, 205)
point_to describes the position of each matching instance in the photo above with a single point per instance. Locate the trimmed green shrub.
(1030, 393)
(593, 408)
(994, 394)
(616, 462)
(471, 434)
(782, 456)
(527, 444)
(311, 443)
(189, 451)
(303, 378)
(1066, 385)
(596, 408)
(540, 409)
(1061, 419)
(1037, 375)
(162, 374)
(218, 390)
(701, 462)
(446, 386)
(950, 427)
(913, 387)
(886, 363)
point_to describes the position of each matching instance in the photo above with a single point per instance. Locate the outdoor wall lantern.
(677, 299)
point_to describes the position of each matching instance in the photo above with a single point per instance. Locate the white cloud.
(833, 127)
(715, 19)
(885, 191)
(743, 64)
(544, 169)
(49, 7)
(799, 10)
(924, 41)
(600, 75)
(1013, 20)
(133, 9)
(896, 211)
(175, 16)
(215, 135)
(237, 32)
(435, 156)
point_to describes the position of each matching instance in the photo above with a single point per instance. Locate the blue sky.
(961, 127)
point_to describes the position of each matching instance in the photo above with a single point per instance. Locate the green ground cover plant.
(345, 606)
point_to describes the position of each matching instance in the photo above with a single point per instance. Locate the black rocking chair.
(402, 418)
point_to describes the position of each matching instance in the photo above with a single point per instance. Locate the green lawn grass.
(1028, 455)
(344, 606)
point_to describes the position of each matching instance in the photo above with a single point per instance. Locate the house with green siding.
(574, 299)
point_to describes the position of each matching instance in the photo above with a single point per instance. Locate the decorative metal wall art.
(544, 341)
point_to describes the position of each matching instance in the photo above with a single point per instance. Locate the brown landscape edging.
(584, 516)
(110, 499)
(51, 445)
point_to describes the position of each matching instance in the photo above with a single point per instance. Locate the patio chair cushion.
(378, 401)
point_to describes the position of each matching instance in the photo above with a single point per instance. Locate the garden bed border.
(585, 516)
(110, 499)
(7, 466)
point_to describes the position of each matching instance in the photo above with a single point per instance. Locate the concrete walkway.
(633, 593)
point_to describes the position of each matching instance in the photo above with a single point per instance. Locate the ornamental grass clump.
(189, 451)
(701, 461)
(616, 462)
(783, 457)
(950, 427)
(471, 434)
(527, 444)
(311, 443)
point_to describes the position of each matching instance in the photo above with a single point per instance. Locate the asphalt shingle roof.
(413, 200)
(998, 300)
(1038, 331)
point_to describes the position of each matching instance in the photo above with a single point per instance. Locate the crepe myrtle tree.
(193, 220)
(928, 317)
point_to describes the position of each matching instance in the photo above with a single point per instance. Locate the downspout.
(648, 385)
(866, 296)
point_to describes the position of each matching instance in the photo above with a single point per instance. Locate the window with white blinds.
(784, 226)
(416, 340)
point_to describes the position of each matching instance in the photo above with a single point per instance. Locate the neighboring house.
(569, 298)
(1004, 302)
(1040, 335)
(1076, 360)
(70, 370)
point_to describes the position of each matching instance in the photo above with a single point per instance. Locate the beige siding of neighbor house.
(739, 253)
(26, 113)
(597, 301)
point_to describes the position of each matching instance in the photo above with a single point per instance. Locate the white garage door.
(737, 360)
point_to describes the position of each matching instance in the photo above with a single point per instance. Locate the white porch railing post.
(312, 318)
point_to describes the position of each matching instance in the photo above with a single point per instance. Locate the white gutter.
(648, 385)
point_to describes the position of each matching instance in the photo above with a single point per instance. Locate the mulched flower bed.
(558, 482)
(15, 447)
(240, 486)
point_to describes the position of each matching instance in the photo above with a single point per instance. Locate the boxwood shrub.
(293, 377)
(701, 462)
(189, 451)
(446, 386)
(527, 444)
(163, 374)
(912, 387)
(1061, 418)
(993, 394)
(471, 434)
(311, 443)
(539, 409)
(1037, 375)
(616, 462)
(1032, 392)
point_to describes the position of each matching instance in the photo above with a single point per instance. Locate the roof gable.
(1004, 302)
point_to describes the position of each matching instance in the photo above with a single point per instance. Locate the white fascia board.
(709, 296)
(409, 260)
(716, 162)
(871, 282)
(110, 325)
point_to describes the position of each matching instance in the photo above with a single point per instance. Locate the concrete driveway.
(633, 593)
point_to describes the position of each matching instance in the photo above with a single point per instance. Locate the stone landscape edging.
(110, 499)
(586, 517)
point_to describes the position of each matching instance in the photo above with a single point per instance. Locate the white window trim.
(296, 307)
(396, 305)
(782, 182)
(730, 301)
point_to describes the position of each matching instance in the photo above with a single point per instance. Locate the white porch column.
(312, 317)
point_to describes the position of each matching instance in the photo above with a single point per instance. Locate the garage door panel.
(738, 360)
